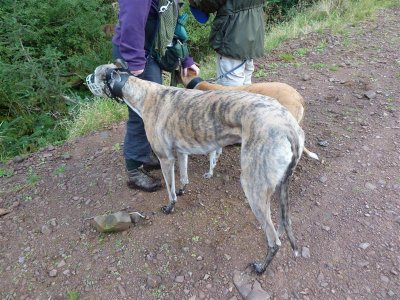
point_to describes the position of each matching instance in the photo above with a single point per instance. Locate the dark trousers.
(136, 145)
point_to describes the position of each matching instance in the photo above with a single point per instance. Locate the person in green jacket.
(237, 36)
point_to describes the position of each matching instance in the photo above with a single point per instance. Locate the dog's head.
(105, 78)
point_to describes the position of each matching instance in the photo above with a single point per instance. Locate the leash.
(229, 72)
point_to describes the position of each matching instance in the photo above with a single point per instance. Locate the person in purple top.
(133, 39)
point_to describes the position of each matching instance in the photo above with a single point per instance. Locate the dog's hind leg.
(214, 155)
(184, 179)
(167, 167)
(259, 197)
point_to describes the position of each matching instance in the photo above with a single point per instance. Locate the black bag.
(173, 55)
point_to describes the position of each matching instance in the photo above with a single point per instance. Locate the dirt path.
(345, 210)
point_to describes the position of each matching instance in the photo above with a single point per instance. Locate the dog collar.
(195, 81)
(116, 90)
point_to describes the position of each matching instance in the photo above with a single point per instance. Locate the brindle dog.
(282, 92)
(185, 122)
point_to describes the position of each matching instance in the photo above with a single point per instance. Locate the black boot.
(138, 179)
(152, 164)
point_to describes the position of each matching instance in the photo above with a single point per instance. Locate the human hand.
(137, 72)
(192, 67)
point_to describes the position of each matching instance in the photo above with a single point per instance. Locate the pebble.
(326, 228)
(45, 230)
(385, 279)
(323, 179)
(370, 94)
(53, 273)
(61, 264)
(305, 252)
(391, 293)
(364, 246)
(180, 278)
(370, 186)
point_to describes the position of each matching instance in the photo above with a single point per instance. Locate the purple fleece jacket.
(130, 32)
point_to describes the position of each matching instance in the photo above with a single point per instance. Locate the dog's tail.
(283, 195)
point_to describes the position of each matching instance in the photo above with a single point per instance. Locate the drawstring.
(224, 75)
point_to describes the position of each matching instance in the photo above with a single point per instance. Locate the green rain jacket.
(238, 29)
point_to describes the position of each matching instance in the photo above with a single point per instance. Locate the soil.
(345, 208)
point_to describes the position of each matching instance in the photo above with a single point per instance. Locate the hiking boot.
(152, 164)
(138, 179)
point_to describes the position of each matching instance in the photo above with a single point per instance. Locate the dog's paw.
(180, 192)
(207, 175)
(258, 267)
(167, 209)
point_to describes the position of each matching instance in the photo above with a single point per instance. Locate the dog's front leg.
(167, 167)
(184, 179)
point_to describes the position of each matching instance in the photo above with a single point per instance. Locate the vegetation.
(48, 47)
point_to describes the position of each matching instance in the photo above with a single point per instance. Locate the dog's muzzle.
(93, 86)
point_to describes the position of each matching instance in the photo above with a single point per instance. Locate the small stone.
(199, 258)
(306, 77)
(61, 264)
(53, 273)
(21, 259)
(370, 186)
(18, 159)
(180, 278)
(370, 94)
(323, 179)
(114, 222)
(364, 246)
(385, 279)
(326, 228)
(323, 143)
(305, 252)
(391, 293)
(363, 263)
(227, 257)
(324, 284)
(45, 230)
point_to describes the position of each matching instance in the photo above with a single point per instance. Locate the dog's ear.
(116, 76)
(120, 63)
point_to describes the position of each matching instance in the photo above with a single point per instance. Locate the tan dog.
(183, 122)
(284, 93)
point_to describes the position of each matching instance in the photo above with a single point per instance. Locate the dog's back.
(208, 120)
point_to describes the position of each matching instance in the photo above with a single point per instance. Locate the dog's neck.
(136, 91)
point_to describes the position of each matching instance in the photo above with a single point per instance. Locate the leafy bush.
(46, 49)
(281, 10)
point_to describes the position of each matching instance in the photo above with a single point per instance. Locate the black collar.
(116, 91)
(195, 81)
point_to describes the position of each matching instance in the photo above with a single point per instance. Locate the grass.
(95, 115)
(326, 14)
(73, 295)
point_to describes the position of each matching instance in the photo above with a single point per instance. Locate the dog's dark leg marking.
(283, 192)
(260, 266)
